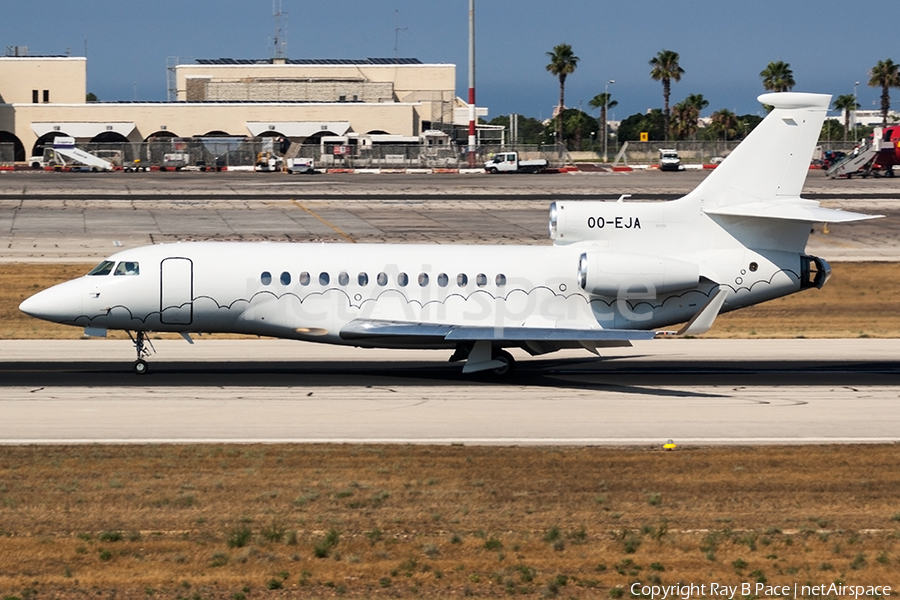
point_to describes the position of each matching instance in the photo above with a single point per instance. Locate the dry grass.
(414, 521)
(861, 300)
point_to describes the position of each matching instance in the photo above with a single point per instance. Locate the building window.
(46, 95)
(34, 96)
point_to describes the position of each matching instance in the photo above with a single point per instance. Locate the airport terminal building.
(302, 100)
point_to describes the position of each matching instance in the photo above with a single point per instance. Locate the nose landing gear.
(139, 339)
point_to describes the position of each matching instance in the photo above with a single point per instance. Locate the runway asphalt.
(692, 391)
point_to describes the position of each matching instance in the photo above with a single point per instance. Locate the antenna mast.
(280, 40)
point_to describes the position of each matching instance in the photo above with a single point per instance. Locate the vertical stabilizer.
(773, 161)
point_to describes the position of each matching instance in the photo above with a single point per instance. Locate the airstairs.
(860, 163)
(65, 148)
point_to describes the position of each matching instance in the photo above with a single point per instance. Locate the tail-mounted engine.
(617, 274)
(814, 272)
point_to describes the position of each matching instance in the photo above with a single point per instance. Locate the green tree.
(726, 124)
(604, 102)
(846, 103)
(531, 131)
(885, 75)
(687, 115)
(562, 64)
(631, 127)
(778, 77)
(577, 126)
(90, 97)
(666, 69)
(832, 130)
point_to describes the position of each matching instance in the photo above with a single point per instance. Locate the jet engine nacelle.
(614, 274)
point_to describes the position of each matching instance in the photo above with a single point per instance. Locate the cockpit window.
(104, 268)
(127, 267)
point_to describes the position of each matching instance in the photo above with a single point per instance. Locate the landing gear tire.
(509, 366)
(141, 367)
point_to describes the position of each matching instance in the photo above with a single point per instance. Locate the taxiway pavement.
(692, 391)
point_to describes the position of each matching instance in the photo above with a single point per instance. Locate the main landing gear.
(139, 339)
(483, 357)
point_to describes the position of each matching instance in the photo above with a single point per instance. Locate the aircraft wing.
(360, 329)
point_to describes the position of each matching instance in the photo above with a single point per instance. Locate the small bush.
(739, 564)
(111, 536)
(616, 592)
(274, 584)
(493, 544)
(105, 555)
(552, 534)
(219, 559)
(657, 567)
(654, 499)
(239, 537)
(858, 562)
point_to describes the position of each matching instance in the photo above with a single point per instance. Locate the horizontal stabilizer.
(367, 328)
(798, 210)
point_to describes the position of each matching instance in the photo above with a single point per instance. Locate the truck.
(669, 160)
(508, 162)
(301, 165)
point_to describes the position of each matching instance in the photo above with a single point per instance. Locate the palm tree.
(778, 77)
(885, 75)
(846, 103)
(687, 115)
(562, 63)
(604, 102)
(726, 122)
(666, 69)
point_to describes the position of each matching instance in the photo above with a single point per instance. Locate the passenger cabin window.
(285, 278)
(501, 280)
(402, 279)
(481, 280)
(462, 280)
(423, 279)
(443, 280)
(265, 278)
(128, 267)
(343, 278)
(104, 268)
(382, 279)
(324, 278)
(363, 279)
(304, 278)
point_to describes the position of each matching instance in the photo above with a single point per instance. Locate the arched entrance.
(18, 148)
(46, 140)
(109, 137)
(218, 133)
(161, 134)
(316, 137)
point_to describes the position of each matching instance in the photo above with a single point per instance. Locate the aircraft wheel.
(509, 366)
(141, 367)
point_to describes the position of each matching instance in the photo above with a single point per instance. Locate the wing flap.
(369, 328)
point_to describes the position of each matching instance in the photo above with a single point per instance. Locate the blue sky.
(723, 44)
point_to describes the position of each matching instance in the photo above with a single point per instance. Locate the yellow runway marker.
(337, 229)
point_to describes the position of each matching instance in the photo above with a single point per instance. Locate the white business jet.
(616, 272)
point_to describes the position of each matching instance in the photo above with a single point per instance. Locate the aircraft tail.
(773, 161)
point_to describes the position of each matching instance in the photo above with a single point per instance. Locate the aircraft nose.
(59, 303)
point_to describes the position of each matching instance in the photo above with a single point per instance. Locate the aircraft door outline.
(176, 291)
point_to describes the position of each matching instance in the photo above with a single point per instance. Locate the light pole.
(855, 104)
(606, 117)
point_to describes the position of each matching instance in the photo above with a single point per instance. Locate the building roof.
(310, 61)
